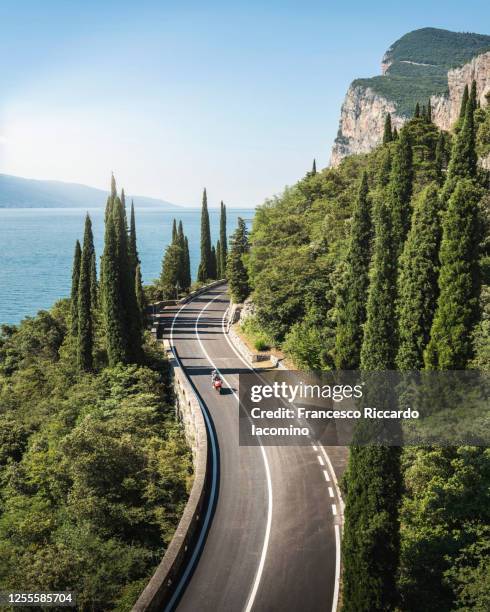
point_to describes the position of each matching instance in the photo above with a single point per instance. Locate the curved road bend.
(273, 541)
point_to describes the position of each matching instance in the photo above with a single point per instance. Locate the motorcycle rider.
(214, 375)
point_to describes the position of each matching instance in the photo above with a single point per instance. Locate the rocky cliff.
(417, 68)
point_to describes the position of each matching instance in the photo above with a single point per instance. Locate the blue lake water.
(36, 250)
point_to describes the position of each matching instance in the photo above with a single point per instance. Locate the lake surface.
(36, 250)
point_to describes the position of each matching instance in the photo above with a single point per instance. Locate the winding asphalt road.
(274, 540)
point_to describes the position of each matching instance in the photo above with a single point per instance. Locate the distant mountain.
(18, 192)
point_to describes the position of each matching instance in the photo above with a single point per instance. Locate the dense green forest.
(384, 263)
(94, 468)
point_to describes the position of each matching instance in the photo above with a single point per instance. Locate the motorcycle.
(218, 384)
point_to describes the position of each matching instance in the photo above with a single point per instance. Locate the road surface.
(274, 540)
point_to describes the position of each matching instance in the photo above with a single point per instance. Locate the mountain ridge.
(21, 192)
(426, 64)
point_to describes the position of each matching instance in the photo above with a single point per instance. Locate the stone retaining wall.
(161, 585)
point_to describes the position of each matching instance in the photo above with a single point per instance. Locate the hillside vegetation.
(379, 264)
(94, 467)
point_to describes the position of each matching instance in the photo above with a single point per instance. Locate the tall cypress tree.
(386, 162)
(205, 267)
(387, 134)
(313, 168)
(113, 314)
(94, 287)
(450, 346)
(401, 190)
(371, 539)
(417, 282)
(85, 316)
(182, 264)
(113, 187)
(463, 163)
(417, 110)
(219, 273)
(353, 314)
(441, 156)
(464, 101)
(223, 240)
(174, 232)
(132, 244)
(140, 294)
(187, 266)
(75, 279)
(379, 342)
(236, 272)
(214, 263)
(131, 313)
(170, 278)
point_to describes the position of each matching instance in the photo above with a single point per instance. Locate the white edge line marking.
(330, 492)
(260, 569)
(334, 507)
(335, 601)
(212, 496)
(337, 568)
(320, 460)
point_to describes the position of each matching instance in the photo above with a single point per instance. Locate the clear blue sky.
(172, 96)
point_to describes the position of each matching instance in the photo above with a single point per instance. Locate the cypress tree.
(205, 266)
(353, 314)
(395, 134)
(174, 232)
(236, 272)
(94, 288)
(140, 294)
(85, 315)
(371, 540)
(180, 235)
(219, 273)
(170, 278)
(464, 101)
(429, 112)
(132, 244)
(463, 163)
(223, 240)
(131, 313)
(383, 176)
(111, 299)
(473, 99)
(313, 169)
(387, 134)
(113, 187)
(75, 279)
(379, 342)
(180, 240)
(187, 266)
(214, 263)
(401, 191)
(417, 110)
(441, 157)
(450, 346)
(417, 282)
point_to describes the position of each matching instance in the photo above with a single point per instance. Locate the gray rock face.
(363, 112)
